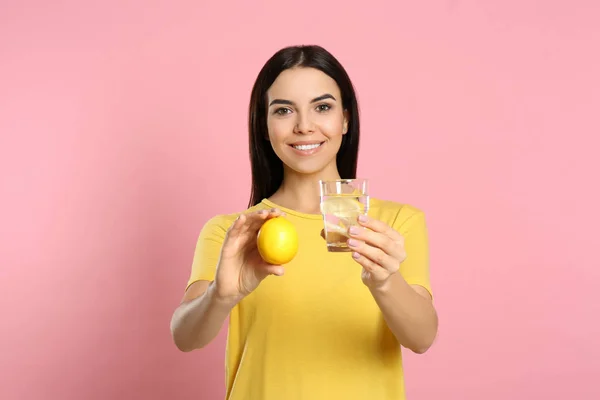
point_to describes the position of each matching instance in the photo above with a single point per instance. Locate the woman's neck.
(300, 192)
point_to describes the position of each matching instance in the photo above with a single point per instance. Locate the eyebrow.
(288, 102)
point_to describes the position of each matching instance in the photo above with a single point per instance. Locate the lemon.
(344, 211)
(339, 228)
(277, 241)
(342, 206)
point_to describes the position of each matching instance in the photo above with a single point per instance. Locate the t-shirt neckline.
(289, 211)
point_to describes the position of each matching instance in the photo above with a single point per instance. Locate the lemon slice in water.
(342, 206)
(345, 210)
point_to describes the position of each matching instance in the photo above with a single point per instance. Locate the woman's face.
(306, 120)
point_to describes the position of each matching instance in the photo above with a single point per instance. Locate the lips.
(306, 148)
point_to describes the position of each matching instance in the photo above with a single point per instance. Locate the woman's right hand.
(241, 268)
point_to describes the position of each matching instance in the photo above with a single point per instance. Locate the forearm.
(197, 322)
(410, 316)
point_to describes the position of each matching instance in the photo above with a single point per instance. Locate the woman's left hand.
(378, 248)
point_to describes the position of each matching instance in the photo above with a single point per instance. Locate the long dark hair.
(267, 168)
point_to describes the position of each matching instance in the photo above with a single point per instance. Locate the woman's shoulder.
(222, 222)
(393, 212)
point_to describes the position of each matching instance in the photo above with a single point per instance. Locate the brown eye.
(282, 111)
(323, 107)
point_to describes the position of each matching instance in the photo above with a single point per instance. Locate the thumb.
(236, 228)
(270, 269)
(233, 236)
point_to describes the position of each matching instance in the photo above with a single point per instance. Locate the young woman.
(326, 325)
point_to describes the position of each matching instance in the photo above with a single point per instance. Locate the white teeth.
(307, 146)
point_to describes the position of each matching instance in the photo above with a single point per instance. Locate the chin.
(309, 167)
(305, 170)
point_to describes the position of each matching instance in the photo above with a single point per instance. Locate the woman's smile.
(307, 148)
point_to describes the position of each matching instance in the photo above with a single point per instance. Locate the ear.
(345, 125)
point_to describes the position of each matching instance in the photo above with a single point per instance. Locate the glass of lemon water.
(342, 201)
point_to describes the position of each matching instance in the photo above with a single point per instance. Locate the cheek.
(332, 126)
(278, 129)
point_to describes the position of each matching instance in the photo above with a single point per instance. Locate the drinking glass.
(342, 201)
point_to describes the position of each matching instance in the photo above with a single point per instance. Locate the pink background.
(119, 118)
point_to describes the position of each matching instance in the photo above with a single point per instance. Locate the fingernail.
(355, 255)
(354, 230)
(352, 242)
(362, 218)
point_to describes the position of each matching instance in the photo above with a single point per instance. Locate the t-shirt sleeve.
(415, 268)
(208, 249)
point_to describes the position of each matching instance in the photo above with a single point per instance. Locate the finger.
(234, 237)
(375, 271)
(262, 215)
(378, 226)
(236, 228)
(275, 212)
(256, 219)
(374, 254)
(375, 239)
(277, 270)
(263, 270)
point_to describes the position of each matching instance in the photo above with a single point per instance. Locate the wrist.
(223, 302)
(388, 285)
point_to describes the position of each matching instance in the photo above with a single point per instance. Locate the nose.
(304, 124)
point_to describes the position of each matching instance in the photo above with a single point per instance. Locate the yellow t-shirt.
(315, 333)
